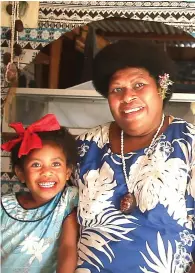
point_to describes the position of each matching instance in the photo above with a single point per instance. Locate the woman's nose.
(128, 95)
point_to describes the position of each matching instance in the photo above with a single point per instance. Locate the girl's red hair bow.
(30, 140)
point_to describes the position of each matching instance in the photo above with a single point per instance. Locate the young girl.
(39, 228)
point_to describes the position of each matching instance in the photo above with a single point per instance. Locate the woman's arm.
(67, 252)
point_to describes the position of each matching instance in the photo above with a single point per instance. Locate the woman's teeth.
(47, 184)
(133, 110)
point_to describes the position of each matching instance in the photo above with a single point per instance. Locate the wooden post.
(55, 54)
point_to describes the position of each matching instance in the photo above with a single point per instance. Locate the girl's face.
(45, 172)
(134, 101)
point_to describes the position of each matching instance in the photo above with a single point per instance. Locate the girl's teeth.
(47, 184)
(133, 110)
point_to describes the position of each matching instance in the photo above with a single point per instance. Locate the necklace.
(128, 201)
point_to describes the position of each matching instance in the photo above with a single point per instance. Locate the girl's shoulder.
(69, 199)
(71, 192)
(9, 198)
(13, 209)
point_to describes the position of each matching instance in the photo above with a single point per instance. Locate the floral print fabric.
(159, 236)
(30, 237)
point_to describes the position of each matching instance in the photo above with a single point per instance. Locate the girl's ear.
(20, 173)
(68, 172)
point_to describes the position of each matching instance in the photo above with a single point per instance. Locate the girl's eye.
(56, 164)
(138, 85)
(36, 165)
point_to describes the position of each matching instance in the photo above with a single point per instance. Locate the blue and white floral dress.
(29, 238)
(159, 236)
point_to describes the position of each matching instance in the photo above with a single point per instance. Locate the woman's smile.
(132, 110)
(133, 113)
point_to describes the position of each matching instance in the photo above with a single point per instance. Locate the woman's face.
(134, 101)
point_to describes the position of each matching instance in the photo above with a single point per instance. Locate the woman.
(136, 175)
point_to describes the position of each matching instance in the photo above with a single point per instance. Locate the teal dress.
(30, 237)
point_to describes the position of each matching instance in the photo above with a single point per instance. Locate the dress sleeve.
(193, 196)
(191, 199)
(191, 188)
(193, 183)
(72, 197)
(74, 178)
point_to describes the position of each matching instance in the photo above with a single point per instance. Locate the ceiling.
(122, 28)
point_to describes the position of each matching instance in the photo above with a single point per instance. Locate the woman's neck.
(132, 143)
